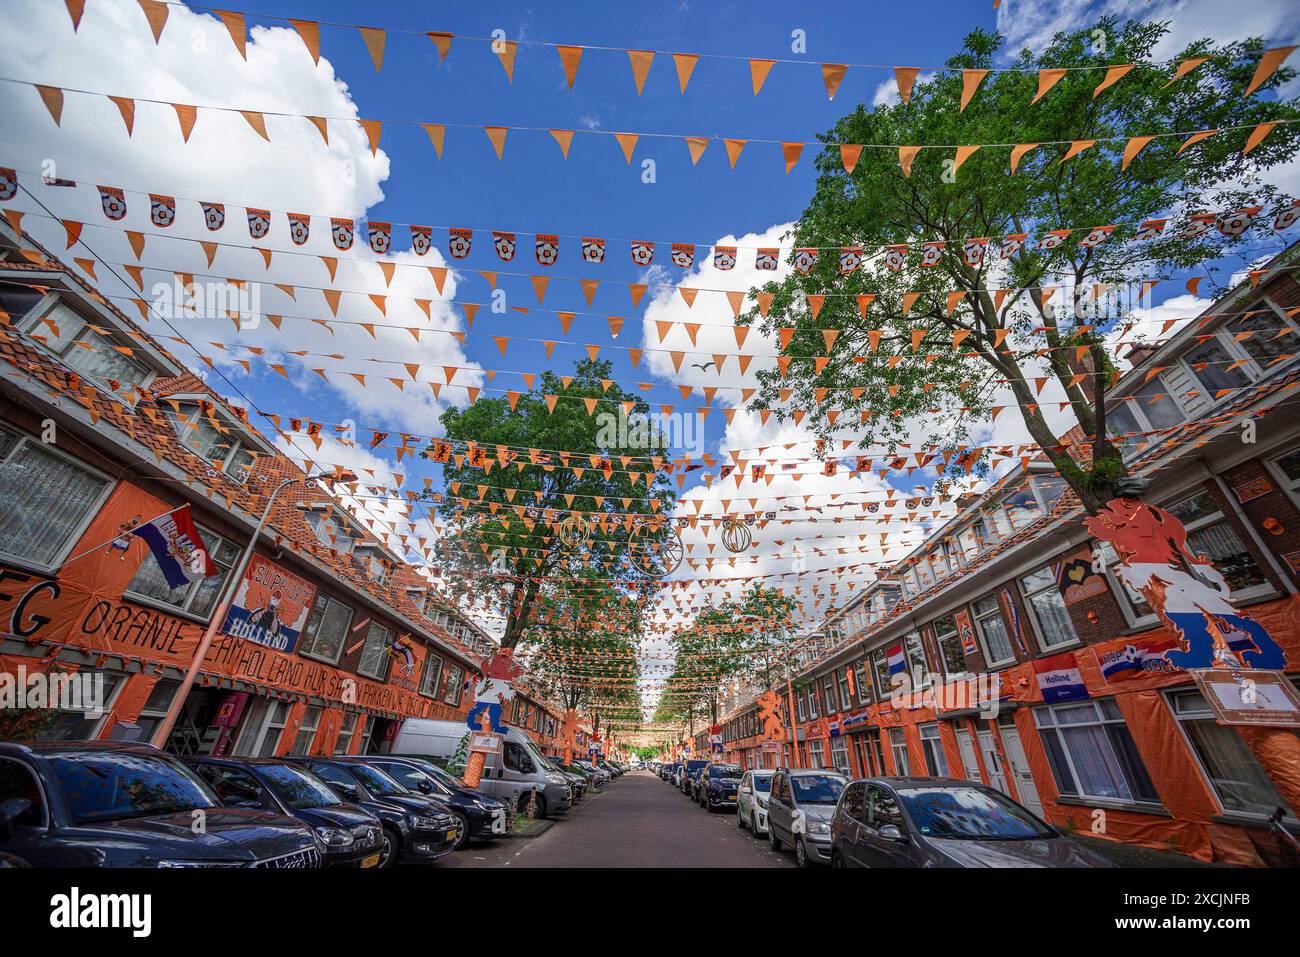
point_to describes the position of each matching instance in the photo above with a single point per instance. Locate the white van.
(519, 769)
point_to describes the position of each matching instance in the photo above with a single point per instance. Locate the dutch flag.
(177, 547)
(896, 661)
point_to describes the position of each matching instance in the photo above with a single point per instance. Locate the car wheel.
(801, 854)
(740, 818)
(773, 841)
(836, 860)
(391, 849)
(462, 825)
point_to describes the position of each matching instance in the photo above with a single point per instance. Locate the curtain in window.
(46, 498)
(1237, 777)
(995, 637)
(1053, 617)
(1094, 763)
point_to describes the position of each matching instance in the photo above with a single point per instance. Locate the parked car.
(577, 782)
(937, 822)
(603, 777)
(686, 777)
(751, 801)
(90, 804)
(669, 772)
(588, 774)
(481, 817)
(416, 828)
(350, 834)
(718, 785)
(510, 775)
(799, 811)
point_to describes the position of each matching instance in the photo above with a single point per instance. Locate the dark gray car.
(799, 812)
(938, 822)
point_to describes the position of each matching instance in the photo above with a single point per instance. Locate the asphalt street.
(639, 821)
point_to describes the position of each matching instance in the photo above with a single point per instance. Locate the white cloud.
(226, 161)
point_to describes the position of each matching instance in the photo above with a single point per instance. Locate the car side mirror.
(10, 811)
(890, 832)
(425, 787)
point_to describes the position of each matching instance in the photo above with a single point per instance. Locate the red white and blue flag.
(1059, 678)
(894, 658)
(177, 547)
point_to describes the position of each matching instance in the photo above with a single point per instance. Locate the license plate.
(453, 834)
(371, 861)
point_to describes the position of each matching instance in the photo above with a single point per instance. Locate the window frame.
(932, 744)
(1263, 589)
(384, 659)
(979, 619)
(1100, 720)
(193, 588)
(313, 654)
(21, 436)
(1040, 632)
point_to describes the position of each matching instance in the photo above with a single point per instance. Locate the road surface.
(639, 821)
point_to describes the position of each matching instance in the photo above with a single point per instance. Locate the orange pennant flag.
(505, 51)
(815, 303)
(236, 28)
(733, 150)
(570, 57)
(186, 115)
(849, 154)
(443, 42)
(564, 138)
(155, 11)
(309, 31)
(437, 136)
(764, 300)
(1257, 136)
(1268, 64)
(539, 286)
(696, 145)
(963, 154)
(1018, 153)
(954, 298)
(375, 39)
(1186, 67)
(832, 75)
(906, 156)
(685, 63)
(1194, 139)
(1047, 78)
(372, 128)
(641, 60)
(497, 135)
(791, 153)
(970, 82)
(1132, 148)
(905, 77)
(758, 71)
(1113, 76)
(1077, 147)
(628, 142)
(258, 122)
(52, 97)
(125, 106)
(909, 300)
(75, 9)
(736, 298)
(589, 287)
(73, 229)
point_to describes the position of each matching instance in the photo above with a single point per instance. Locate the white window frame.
(31, 324)
(265, 725)
(347, 629)
(1290, 487)
(1040, 633)
(325, 513)
(209, 538)
(429, 659)
(1264, 588)
(241, 437)
(386, 636)
(309, 726)
(932, 749)
(979, 619)
(347, 730)
(940, 637)
(79, 529)
(898, 750)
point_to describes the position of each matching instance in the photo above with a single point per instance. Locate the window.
(430, 675)
(898, 747)
(1050, 488)
(971, 540)
(1225, 759)
(98, 356)
(951, 657)
(326, 630)
(453, 684)
(846, 699)
(1022, 507)
(1044, 597)
(373, 562)
(85, 722)
(420, 599)
(1160, 408)
(214, 437)
(259, 732)
(880, 668)
(1263, 333)
(882, 807)
(1091, 752)
(199, 597)
(374, 653)
(155, 708)
(17, 782)
(332, 530)
(840, 756)
(816, 754)
(988, 619)
(932, 747)
(828, 694)
(813, 711)
(917, 668)
(854, 801)
(877, 750)
(1289, 468)
(1209, 534)
(1211, 364)
(48, 500)
(923, 574)
(306, 732)
(861, 680)
(346, 731)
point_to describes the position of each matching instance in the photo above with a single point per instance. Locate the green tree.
(935, 394)
(504, 541)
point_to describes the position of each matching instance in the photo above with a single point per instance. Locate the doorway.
(1020, 768)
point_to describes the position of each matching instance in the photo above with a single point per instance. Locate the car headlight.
(334, 836)
(762, 802)
(429, 822)
(818, 827)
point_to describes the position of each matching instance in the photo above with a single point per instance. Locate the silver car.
(799, 812)
(751, 801)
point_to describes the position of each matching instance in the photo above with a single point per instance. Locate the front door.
(968, 759)
(1020, 768)
(993, 761)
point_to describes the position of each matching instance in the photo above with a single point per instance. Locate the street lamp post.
(164, 729)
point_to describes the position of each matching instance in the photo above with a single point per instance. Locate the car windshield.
(297, 788)
(967, 813)
(112, 786)
(817, 788)
(376, 782)
(730, 772)
(411, 778)
(694, 766)
(441, 776)
(763, 782)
